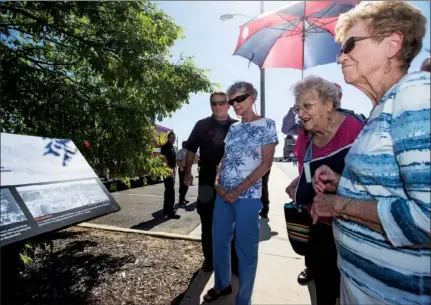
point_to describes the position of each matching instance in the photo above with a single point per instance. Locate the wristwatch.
(343, 213)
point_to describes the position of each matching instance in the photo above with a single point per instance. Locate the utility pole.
(262, 76)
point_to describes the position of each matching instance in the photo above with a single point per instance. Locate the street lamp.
(262, 71)
(230, 16)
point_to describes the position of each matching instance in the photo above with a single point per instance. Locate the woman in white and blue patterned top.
(382, 223)
(249, 151)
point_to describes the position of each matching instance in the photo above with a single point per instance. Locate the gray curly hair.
(325, 89)
(243, 87)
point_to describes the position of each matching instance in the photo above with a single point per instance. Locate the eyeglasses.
(349, 45)
(306, 107)
(238, 99)
(218, 103)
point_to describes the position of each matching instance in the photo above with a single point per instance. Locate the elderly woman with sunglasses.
(249, 151)
(382, 210)
(325, 137)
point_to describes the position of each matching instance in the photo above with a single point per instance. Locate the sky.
(212, 41)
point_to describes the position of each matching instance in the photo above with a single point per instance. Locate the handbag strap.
(309, 152)
(307, 158)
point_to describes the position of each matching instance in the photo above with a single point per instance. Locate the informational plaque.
(46, 184)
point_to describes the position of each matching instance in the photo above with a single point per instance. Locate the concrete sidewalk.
(278, 265)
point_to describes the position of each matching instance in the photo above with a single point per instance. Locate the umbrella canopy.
(299, 35)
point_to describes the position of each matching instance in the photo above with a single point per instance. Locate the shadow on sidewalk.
(158, 218)
(188, 208)
(265, 230)
(192, 295)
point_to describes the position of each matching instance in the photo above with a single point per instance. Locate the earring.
(388, 66)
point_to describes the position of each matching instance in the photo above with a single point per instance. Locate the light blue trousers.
(243, 217)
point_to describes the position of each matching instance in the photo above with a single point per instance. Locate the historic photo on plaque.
(10, 212)
(54, 198)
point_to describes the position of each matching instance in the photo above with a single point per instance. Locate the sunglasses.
(218, 103)
(238, 99)
(349, 45)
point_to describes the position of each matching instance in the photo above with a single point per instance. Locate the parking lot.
(142, 209)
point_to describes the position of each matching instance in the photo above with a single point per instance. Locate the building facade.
(289, 144)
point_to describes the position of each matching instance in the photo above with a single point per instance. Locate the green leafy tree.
(94, 71)
(162, 138)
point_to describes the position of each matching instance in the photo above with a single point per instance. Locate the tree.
(94, 71)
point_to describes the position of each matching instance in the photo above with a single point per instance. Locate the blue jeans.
(243, 217)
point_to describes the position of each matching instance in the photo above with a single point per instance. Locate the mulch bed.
(92, 267)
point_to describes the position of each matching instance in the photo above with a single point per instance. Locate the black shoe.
(173, 216)
(305, 277)
(213, 294)
(207, 267)
(183, 203)
(263, 215)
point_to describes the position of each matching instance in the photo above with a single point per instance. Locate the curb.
(152, 234)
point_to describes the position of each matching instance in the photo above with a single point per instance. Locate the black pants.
(183, 188)
(168, 204)
(321, 259)
(206, 213)
(265, 193)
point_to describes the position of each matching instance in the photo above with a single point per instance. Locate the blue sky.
(212, 43)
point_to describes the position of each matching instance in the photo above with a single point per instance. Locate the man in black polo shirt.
(208, 135)
(168, 151)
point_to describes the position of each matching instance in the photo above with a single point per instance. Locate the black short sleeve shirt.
(208, 135)
(168, 151)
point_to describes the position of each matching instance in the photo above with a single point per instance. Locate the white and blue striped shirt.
(390, 162)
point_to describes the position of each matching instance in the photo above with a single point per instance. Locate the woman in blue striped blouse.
(382, 207)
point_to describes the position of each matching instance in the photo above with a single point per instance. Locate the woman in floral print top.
(249, 151)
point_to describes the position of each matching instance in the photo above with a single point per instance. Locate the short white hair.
(326, 90)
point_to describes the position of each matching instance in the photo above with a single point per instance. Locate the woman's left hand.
(325, 180)
(325, 205)
(233, 195)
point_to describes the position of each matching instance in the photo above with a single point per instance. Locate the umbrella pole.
(303, 40)
(303, 47)
(262, 76)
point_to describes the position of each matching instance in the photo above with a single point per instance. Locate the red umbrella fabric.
(299, 35)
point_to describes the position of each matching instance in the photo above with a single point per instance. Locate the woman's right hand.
(220, 191)
(290, 190)
(325, 180)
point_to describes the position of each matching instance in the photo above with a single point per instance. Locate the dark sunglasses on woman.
(349, 45)
(238, 99)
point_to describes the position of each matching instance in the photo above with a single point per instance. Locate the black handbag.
(298, 222)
